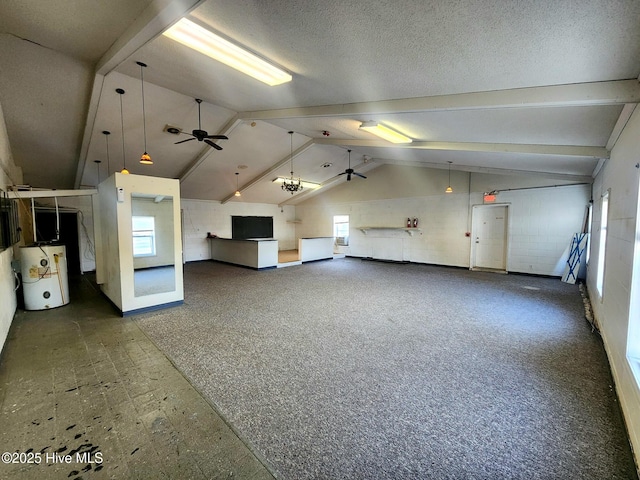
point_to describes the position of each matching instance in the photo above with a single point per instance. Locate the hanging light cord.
(106, 139)
(124, 159)
(144, 115)
(291, 138)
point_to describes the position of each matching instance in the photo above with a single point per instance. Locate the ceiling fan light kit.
(208, 43)
(384, 132)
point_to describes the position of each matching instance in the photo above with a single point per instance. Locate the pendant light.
(124, 170)
(449, 189)
(106, 134)
(145, 159)
(237, 194)
(290, 185)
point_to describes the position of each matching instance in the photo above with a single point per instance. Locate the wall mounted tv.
(251, 227)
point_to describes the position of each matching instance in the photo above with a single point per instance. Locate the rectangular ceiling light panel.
(384, 132)
(204, 41)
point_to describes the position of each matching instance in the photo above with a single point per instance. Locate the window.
(144, 236)
(604, 214)
(341, 229)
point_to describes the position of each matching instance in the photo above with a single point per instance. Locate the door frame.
(507, 235)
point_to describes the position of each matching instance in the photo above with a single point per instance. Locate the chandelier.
(290, 184)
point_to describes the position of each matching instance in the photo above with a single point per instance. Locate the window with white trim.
(341, 229)
(144, 236)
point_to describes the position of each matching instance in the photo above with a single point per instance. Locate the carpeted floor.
(365, 370)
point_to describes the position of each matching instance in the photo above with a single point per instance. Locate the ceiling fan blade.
(359, 174)
(217, 147)
(218, 137)
(342, 173)
(182, 141)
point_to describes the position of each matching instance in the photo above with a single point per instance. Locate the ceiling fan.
(201, 135)
(349, 171)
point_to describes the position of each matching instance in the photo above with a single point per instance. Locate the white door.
(489, 247)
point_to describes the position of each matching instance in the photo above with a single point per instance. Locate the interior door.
(490, 228)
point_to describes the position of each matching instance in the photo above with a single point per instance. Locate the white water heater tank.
(44, 276)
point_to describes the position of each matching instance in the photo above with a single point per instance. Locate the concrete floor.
(85, 394)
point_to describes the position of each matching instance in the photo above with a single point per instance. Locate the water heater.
(44, 276)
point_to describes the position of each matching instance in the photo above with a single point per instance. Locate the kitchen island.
(316, 248)
(255, 253)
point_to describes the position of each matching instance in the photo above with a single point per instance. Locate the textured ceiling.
(471, 82)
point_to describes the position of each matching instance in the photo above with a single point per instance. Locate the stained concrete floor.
(85, 394)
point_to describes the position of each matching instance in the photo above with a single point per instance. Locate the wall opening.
(604, 217)
(341, 230)
(633, 337)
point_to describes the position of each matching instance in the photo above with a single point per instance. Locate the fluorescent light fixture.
(384, 132)
(304, 183)
(204, 41)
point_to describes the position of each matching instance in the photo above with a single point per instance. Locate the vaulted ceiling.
(528, 87)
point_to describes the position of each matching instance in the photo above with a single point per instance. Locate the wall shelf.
(409, 230)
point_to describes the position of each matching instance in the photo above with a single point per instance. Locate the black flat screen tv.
(251, 227)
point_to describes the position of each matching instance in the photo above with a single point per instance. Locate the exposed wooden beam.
(567, 150)
(269, 172)
(615, 92)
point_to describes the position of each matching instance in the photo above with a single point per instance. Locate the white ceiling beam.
(94, 102)
(207, 150)
(49, 193)
(566, 150)
(492, 170)
(332, 182)
(624, 117)
(616, 92)
(268, 173)
(155, 19)
(598, 166)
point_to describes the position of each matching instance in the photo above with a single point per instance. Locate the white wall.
(543, 220)
(9, 175)
(202, 216)
(621, 176)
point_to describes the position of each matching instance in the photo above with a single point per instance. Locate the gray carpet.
(348, 369)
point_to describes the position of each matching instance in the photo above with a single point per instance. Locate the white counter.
(318, 248)
(255, 253)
